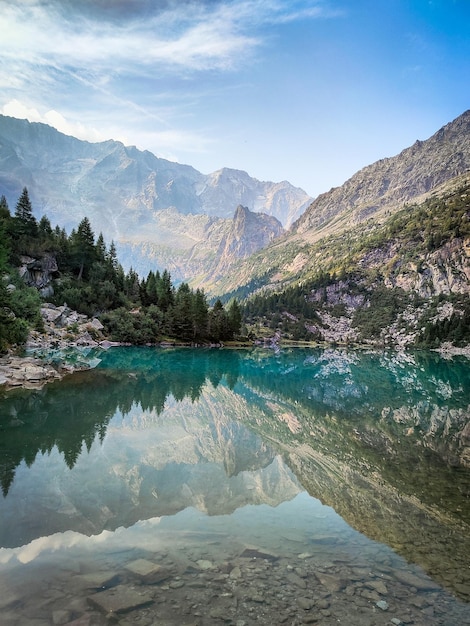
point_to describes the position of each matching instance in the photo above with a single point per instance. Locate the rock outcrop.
(39, 273)
(63, 348)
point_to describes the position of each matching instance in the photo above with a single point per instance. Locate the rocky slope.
(60, 349)
(392, 240)
(248, 233)
(200, 248)
(432, 167)
(389, 183)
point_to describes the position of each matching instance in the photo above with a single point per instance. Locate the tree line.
(90, 279)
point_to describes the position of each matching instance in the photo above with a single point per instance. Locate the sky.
(308, 91)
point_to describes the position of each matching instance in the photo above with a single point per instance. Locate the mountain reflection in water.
(382, 438)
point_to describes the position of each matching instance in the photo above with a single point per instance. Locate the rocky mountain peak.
(390, 183)
(248, 233)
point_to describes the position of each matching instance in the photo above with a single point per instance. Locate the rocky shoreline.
(45, 357)
(68, 337)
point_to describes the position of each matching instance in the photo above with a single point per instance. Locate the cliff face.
(198, 248)
(39, 273)
(249, 232)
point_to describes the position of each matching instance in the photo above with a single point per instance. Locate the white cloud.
(194, 39)
(192, 36)
(138, 535)
(63, 64)
(15, 108)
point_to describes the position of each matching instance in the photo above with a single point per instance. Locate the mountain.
(385, 258)
(248, 233)
(389, 183)
(123, 190)
(198, 246)
(366, 200)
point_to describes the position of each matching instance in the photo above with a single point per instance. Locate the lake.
(194, 486)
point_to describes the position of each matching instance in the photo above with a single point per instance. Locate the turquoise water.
(267, 487)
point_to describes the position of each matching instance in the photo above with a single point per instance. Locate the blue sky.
(308, 91)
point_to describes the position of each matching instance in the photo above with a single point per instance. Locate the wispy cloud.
(185, 36)
(196, 39)
(82, 65)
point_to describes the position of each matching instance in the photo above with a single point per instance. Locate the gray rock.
(331, 582)
(296, 580)
(204, 564)
(255, 553)
(61, 617)
(96, 324)
(422, 584)
(377, 585)
(97, 580)
(305, 603)
(120, 599)
(147, 571)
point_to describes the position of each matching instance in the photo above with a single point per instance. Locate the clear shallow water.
(205, 487)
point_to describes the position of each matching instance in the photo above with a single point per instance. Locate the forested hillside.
(39, 262)
(403, 281)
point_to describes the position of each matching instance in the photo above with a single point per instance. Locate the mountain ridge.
(360, 202)
(69, 179)
(389, 182)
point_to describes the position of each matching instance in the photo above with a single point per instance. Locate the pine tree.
(200, 315)
(131, 286)
(234, 316)
(165, 291)
(218, 323)
(181, 317)
(25, 227)
(112, 257)
(83, 248)
(150, 294)
(100, 249)
(4, 209)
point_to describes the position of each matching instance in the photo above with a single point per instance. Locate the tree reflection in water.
(381, 437)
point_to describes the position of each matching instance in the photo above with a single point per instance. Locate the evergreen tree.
(27, 224)
(131, 286)
(234, 316)
(200, 315)
(4, 209)
(150, 295)
(165, 291)
(181, 313)
(218, 323)
(24, 227)
(44, 227)
(83, 248)
(112, 257)
(100, 249)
